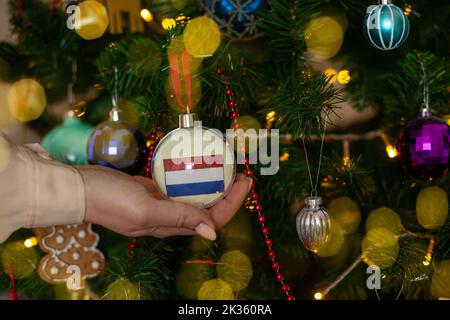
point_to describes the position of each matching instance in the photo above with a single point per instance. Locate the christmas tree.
(358, 90)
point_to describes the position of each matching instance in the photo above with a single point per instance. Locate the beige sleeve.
(36, 191)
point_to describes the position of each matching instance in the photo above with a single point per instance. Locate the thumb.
(181, 215)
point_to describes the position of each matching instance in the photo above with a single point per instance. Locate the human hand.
(132, 206)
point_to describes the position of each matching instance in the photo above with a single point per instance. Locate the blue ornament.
(67, 142)
(114, 145)
(235, 17)
(386, 26)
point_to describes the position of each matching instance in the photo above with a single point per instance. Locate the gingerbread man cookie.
(70, 248)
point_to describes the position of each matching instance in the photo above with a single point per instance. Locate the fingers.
(173, 214)
(164, 232)
(225, 209)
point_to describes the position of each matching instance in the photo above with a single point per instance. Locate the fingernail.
(250, 184)
(206, 232)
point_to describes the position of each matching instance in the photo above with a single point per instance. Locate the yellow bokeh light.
(30, 242)
(26, 100)
(318, 296)
(447, 119)
(93, 20)
(18, 259)
(344, 77)
(202, 37)
(324, 37)
(168, 23)
(391, 152)
(146, 15)
(331, 74)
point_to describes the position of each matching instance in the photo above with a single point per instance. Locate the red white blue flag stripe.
(194, 176)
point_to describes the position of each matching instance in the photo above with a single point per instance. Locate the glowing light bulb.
(331, 74)
(146, 15)
(391, 151)
(318, 296)
(386, 24)
(30, 242)
(408, 9)
(344, 76)
(270, 116)
(284, 157)
(168, 23)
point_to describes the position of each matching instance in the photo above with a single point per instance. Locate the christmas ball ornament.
(380, 247)
(215, 289)
(313, 224)
(201, 37)
(26, 100)
(385, 26)
(67, 142)
(19, 260)
(424, 147)
(236, 18)
(112, 144)
(432, 207)
(346, 213)
(384, 218)
(193, 164)
(440, 281)
(236, 269)
(92, 20)
(122, 289)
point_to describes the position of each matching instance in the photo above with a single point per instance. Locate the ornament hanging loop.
(384, 2)
(426, 92)
(115, 96)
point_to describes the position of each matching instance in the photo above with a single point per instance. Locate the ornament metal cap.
(188, 120)
(313, 202)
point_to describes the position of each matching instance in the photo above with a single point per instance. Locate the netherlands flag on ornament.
(194, 176)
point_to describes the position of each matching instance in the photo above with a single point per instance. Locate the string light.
(427, 261)
(408, 9)
(284, 157)
(318, 296)
(30, 242)
(146, 15)
(391, 151)
(344, 77)
(331, 74)
(270, 118)
(168, 23)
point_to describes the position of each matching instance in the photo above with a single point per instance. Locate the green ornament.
(67, 142)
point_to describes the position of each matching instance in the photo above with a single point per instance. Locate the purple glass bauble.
(424, 147)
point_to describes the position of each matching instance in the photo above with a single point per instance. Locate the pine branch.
(348, 177)
(406, 89)
(147, 269)
(302, 102)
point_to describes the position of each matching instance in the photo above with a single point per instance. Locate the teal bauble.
(67, 142)
(385, 26)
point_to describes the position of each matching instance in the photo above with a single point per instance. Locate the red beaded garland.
(254, 195)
